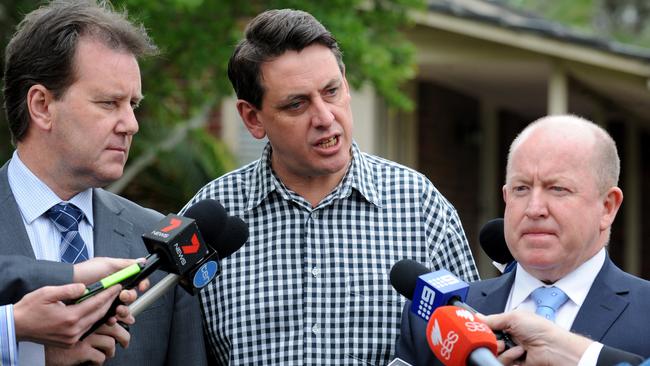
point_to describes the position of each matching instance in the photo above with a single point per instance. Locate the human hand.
(94, 350)
(543, 342)
(42, 316)
(95, 269)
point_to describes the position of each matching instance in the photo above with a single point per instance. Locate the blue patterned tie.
(66, 218)
(548, 300)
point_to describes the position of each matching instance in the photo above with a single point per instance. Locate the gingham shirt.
(311, 285)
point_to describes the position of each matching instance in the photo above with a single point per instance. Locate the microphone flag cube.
(178, 240)
(454, 333)
(436, 289)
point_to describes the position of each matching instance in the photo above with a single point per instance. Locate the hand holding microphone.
(222, 242)
(177, 246)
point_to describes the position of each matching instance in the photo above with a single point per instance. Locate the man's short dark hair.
(42, 50)
(267, 36)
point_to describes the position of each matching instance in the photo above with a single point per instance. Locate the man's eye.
(293, 106)
(332, 91)
(108, 103)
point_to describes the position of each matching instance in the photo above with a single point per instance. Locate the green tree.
(174, 153)
(623, 20)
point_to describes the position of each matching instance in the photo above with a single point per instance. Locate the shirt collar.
(575, 284)
(34, 197)
(359, 176)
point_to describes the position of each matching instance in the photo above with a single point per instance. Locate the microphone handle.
(153, 294)
(482, 357)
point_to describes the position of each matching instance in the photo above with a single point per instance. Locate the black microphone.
(177, 246)
(222, 243)
(430, 290)
(493, 242)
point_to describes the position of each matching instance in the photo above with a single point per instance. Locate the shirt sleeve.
(590, 357)
(8, 346)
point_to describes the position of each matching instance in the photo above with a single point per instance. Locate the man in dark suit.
(71, 84)
(561, 198)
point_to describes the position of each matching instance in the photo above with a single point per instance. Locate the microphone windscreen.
(225, 234)
(493, 241)
(232, 237)
(210, 217)
(454, 333)
(404, 276)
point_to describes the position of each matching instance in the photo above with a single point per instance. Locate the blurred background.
(441, 86)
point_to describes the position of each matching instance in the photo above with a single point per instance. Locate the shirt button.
(315, 271)
(314, 215)
(315, 329)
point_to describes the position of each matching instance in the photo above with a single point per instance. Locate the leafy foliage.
(196, 38)
(624, 20)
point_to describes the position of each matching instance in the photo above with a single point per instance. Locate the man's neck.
(314, 189)
(41, 168)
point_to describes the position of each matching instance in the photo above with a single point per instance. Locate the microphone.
(175, 244)
(431, 290)
(457, 337)
(179, 247)
(493, 243)
(222, 243)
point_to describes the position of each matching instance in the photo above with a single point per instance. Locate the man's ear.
(249, 114)
(39, 105)
(611, 203)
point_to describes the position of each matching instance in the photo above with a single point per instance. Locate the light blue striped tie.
(548, 300)
(66, 218)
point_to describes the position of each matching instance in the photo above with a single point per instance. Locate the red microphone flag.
(453, 333)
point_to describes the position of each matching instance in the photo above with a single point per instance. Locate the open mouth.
(332, 141)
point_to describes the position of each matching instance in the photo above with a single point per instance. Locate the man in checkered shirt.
(327, 222)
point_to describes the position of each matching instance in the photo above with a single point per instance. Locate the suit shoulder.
(126, 207)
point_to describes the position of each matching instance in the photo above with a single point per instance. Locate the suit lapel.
(12, 228)
(112, 234)
(491, 296)
(605, 302)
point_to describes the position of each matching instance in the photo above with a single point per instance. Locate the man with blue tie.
(561, 197)
(71, 85)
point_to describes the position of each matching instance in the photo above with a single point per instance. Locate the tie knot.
(65, 216)
(548, 300)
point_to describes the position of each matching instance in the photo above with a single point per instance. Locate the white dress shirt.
(576, 285)
(34, 198)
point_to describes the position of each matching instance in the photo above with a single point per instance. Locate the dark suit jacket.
(169, 332)
(611, 356)
(614, 313)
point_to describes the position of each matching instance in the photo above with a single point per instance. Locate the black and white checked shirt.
(311, 285)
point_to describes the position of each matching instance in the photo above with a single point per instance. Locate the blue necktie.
(66, 218)
(548, 300)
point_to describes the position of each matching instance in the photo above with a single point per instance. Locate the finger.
(124, 315)
(501, 346)
(95, 308)
(116, 332)
(96, 268)
(63, 293)
(144, 285)
(103, 343)
(128, 296)
(496, 321)
(511, 356)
